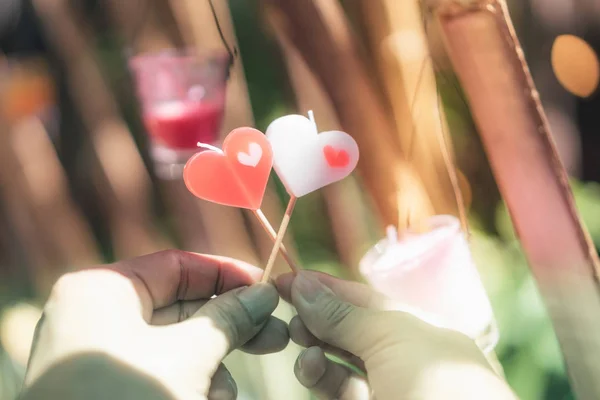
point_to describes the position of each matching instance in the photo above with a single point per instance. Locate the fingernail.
(308, 287)
(260, 300)
(301, 357)
(233, 386)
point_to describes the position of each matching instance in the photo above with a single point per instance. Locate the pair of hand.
(159, 327)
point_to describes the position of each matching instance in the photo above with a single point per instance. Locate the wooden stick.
(264, 222)
(282, 228)
(491, 66)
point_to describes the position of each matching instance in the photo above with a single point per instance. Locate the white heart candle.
(433, 274)
(305, 160)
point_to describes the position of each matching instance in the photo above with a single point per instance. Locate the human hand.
(155, 314)
(401, 356)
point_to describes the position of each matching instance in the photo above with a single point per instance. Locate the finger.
(300, 335)
(226, 322)
(162, 278)
(337, 322)
(177, 312)
(273, 337)
(356, 293)
(222, 386)
(328, 380)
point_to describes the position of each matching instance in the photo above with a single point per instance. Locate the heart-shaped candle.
(306, 160)
(237, 176)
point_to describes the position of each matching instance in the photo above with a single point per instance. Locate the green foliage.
(528, 347)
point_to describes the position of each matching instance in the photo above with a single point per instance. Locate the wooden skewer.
(264, 222)
(279, 239)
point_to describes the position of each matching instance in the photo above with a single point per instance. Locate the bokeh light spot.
(576, 65)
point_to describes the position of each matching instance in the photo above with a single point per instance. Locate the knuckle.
(65, 285)
(335, 313)
(172, 257)
(233, 317)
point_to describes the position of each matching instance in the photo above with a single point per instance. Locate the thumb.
(227, 322)
(335, 321)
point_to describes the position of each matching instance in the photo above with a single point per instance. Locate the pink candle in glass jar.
(183, 99)
(181, 125)
(433, 275)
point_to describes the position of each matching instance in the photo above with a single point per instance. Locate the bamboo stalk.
(225, 226)
(399, 42)
(321, 32)
(46, 187)
(39, 255)
(490, 64)
(146, 25)
(36, 193)
(120, 165)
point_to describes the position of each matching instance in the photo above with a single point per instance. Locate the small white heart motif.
(306, 160)
(252, 158)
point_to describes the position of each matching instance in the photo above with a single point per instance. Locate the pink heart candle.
(433, 275)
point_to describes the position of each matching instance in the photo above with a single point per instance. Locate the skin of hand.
(157, 314)
(401, 356)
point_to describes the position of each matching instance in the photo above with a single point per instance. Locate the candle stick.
(280, 234)
(306, 161)
(264, 222)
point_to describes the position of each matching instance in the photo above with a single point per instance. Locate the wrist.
(468, 381)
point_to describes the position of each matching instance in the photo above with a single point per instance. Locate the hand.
(155, 314)
(402, 356)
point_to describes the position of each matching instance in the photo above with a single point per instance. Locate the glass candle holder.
(433, 276)
(182, 96)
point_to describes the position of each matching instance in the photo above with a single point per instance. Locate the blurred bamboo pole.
(33, 176)
(344, 200)
(146, 25)
(490, 64)
(226, 229)
(203, 30)
(123, 180)
(399, 43)
(321, 32)
(19, 211)
(153, 35)
(44, 179)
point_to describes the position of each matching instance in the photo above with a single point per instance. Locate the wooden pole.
(121, 177)
(399, 43)
(490, 64)
(321, 32)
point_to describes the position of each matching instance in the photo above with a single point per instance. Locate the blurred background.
(82, 183)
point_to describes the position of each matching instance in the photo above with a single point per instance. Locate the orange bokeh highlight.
(25, 90)
(576, 65)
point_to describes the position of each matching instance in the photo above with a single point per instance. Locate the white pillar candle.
(433, 275)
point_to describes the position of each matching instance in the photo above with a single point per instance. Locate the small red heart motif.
(237, 176)
(336, 158)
